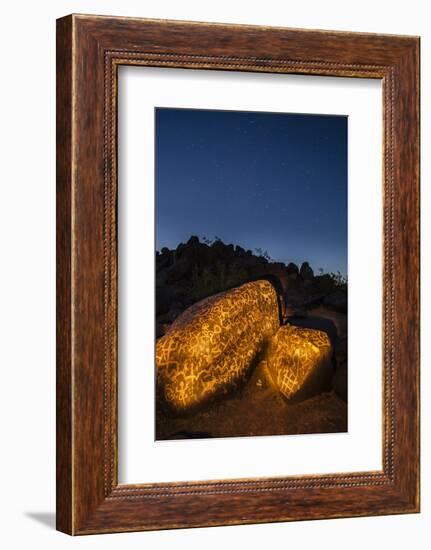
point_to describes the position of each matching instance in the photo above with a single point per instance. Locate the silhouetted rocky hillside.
(196, 269)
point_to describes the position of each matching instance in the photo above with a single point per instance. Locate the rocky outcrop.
(292, 270)
(211, 347)
(306, 272)
(218, 314)
(196, 270)
(299, 360)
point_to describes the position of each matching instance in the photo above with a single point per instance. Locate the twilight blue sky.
(261, 180)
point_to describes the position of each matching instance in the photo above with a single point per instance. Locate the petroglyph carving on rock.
(295, 356)
(210, 348)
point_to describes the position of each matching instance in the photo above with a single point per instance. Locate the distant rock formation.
(306, 272)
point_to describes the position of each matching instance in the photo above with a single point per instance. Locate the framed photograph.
(237, 274)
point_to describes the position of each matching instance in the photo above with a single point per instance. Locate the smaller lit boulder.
(299, 361)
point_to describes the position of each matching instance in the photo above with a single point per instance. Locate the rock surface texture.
(211, 347)
(296, 358)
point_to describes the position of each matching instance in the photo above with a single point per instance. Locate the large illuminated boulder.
(299, 361)
(210, 349)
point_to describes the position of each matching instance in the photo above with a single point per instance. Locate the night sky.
(261, 180)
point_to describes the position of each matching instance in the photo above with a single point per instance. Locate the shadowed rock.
(292, 269)
(337, 300)
(306, 272)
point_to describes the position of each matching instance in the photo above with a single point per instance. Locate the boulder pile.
(221, 309)
(211, 349)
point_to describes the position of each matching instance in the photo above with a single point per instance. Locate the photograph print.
(251, 273)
